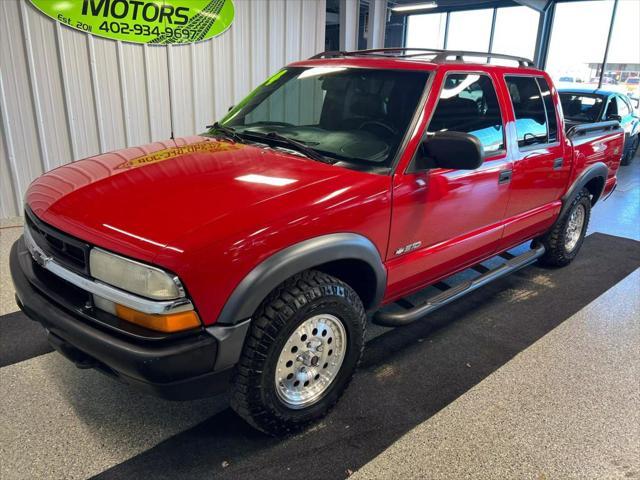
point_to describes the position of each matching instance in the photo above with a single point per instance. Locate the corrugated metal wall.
(66, 95)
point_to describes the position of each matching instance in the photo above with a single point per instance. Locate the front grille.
(66, 250)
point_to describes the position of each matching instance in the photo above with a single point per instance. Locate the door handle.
(504, 177)
(557, 163)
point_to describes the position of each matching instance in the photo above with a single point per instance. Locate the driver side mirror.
(615, 117)
(452, 150)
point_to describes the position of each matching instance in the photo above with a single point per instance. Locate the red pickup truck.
(250, 256)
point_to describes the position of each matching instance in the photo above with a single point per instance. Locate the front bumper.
(179, 366)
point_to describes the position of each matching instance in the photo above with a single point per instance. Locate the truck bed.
(596, 142)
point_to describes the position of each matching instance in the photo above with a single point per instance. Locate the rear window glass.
(580, 107)
(528, 107)
(468, 103)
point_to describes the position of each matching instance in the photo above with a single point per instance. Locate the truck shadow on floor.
(407, 375)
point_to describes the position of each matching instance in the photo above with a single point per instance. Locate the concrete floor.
(566, 407)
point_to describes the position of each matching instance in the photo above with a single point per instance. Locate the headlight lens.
(132, 276)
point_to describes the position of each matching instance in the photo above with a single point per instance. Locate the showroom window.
(528, 107)
(470, 30)
(578, 41)
(515, 32)
(468, 103)
(622, 72)
(426, 31)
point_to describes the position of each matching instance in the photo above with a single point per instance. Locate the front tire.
(562, 243)
(305, 342)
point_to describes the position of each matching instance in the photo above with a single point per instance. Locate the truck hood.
(140, 200)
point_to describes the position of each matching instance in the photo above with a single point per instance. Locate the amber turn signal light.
(173, 322)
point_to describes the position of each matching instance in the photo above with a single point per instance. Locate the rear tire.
(631, 153)
(564, 240)
(305, 342)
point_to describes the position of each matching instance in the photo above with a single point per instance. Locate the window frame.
(627, 100)
(490, 156)
(413, 125)
(535, 146)
(544, 104)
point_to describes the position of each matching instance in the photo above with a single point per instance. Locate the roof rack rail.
(439, 55)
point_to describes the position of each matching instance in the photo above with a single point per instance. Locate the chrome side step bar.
(398, 319)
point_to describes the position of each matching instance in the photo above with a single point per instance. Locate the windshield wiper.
(300, 147)
(226, 131)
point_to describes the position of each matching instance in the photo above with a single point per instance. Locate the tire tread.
(555, 254)
(270, 319)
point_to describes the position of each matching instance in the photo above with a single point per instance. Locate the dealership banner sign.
(156, 22)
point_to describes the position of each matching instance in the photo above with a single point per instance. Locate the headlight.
(133, 276)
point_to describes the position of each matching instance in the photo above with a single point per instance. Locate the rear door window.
(468, 103)
(528, 107)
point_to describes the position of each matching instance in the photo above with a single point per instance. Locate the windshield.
(581, 108)
(354, 116)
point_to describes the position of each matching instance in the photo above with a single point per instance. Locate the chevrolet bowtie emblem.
(37, 254)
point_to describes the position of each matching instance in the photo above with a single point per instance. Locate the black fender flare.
(595, 170)
(270, 273)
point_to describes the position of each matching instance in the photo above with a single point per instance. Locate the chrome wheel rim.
(310, 360)
(574, 228)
